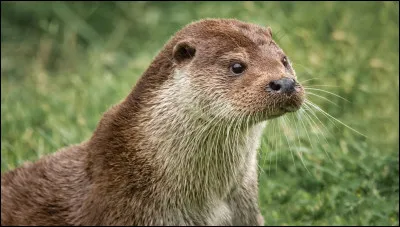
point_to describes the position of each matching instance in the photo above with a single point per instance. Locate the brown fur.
(122, 176)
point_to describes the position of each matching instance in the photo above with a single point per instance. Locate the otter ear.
(269, 30)
(183, 50)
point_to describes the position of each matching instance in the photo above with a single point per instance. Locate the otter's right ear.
(183, 50)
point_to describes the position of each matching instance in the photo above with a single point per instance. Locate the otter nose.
(286, 85)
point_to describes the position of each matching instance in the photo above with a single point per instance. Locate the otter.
(180, 149)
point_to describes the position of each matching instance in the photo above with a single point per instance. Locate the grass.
(64, 64)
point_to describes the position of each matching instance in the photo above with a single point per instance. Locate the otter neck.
(187, 158)
(198, 159)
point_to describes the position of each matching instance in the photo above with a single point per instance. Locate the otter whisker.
(311, 122)
(297, 131)
(298, 153)
(325, 113)
(280, 143)
(308, 70)
(266, 147)
(264, 155)
(311, 110)
(287, 140)
(316, 89)
(310, 93)
(300, 118)
(269, 145)
(304, 81)
(303, 112)
(266, 152)
(274, 145)
(319, 85)
(276, 152)
(238, 128)
(200, 113)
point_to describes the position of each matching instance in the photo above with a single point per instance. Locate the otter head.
(230, 69)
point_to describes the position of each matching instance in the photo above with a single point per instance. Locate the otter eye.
(238, 68)
(285, 61)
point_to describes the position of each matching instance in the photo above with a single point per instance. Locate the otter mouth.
(292, 103)
(285, 108)
(275, 115)
(290, 108)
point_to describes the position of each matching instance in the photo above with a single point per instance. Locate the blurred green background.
(64, 63)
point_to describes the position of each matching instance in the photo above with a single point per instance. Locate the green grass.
(64, 64)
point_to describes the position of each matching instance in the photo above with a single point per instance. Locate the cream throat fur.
(200, 158)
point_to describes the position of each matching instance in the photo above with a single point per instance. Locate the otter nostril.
(275, 86)
(286, 85)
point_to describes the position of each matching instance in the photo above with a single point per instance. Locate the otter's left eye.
(285, 61)
(238, 68)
